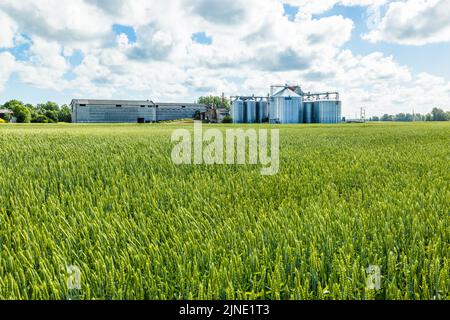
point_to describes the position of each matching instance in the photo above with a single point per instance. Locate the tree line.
(436, 115)
(49, 112)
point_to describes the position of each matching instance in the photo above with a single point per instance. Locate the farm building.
(7, 114)
(217, 115)
(129, 111)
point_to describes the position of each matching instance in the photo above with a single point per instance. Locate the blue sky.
(424, 58)
(127, 30)
(290, 11)
(181, 49)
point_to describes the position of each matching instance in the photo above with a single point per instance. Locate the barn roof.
(134, 103)
(286, 92)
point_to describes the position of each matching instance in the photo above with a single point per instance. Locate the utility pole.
(363, 114)
(223, 100)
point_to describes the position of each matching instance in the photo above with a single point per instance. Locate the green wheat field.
(108, 200)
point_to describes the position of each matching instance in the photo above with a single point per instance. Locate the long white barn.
(130, 111)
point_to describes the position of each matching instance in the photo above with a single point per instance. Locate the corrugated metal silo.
(286, 107)
(262, 111)
(327, 111)
(274, 116)
(301, 112)
(237, 111)
(308, 111)
(250, 111)
(338, 111)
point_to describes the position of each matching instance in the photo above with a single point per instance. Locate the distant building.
(216, 115)
(222, 113)
(7, 114)
(130, 111)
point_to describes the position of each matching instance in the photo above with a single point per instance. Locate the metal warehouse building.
(128, 111)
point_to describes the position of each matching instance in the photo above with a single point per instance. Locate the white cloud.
(7, 65)
(65, 21)
(314, 7)
(46, 65)
(221, 12)
(8, 29)
(414, 22)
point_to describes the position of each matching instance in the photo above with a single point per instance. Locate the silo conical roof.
(286, 92)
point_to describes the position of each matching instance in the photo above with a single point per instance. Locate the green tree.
(227, 119)
(64, 114)
(404, 117)
(387, 117)
(39, 118)
(50, 110)
(48, 106)
(21, 112)
(439, 115)
(12, 104)
(215, 101)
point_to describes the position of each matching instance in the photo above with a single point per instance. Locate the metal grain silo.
(274, 116)
(262, 111)
(286, 107)
(301, 112)
(327, 111)
(308, 111)
(339, 111)
(250, 111)
(237, 111)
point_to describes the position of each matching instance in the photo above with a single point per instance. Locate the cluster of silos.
(250, 110)
(286, 107)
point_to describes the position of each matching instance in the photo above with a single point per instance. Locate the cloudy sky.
(389, 56)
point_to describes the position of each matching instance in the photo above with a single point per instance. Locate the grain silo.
(237, 111)
(250, 111)
(286, 107)
(262, 111)
(308, 111)
(327, 111)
